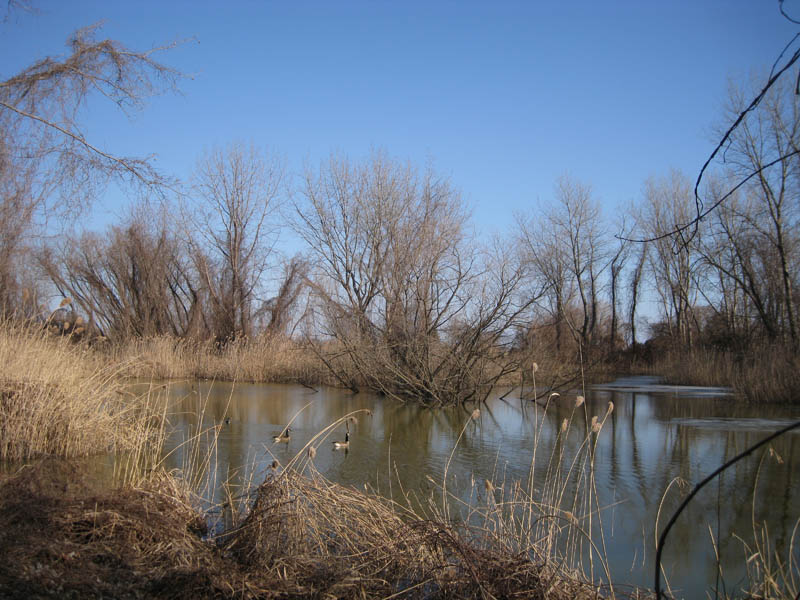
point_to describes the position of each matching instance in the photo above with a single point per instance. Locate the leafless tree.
(635, 287)
(48, 168)
(567, 250)
(401, 289)
(618, 258)
(233, 228)
(134, 281)
(278, 309)
(772, 214)
(674, 268)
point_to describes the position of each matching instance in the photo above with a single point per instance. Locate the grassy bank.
(305, 537)
(265, 359)
(278, 359)
(293, 535)
(58, 398)
(762, 375)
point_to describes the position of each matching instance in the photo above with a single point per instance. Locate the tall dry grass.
(59, 398)
(766, 374)
(273, 359)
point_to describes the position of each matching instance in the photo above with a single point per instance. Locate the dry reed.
(61, 398)
(766, 374)
(272, 359)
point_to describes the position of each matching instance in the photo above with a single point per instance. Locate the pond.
(655, 435)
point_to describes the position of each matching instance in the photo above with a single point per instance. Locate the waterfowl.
(284, 437)
(342, 445)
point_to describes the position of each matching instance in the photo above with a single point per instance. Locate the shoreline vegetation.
(763, 374)
(292, 535)
(392, 290)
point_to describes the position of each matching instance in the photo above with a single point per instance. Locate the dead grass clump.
(274, 359)
(765, 374)
(303, 537)
(319, 539)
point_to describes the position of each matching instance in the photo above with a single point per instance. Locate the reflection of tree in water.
(648, 440)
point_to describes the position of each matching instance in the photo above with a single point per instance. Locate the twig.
(662, 540)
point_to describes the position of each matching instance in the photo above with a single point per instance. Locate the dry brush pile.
(304, 537)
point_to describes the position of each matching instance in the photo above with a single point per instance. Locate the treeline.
(391, 289)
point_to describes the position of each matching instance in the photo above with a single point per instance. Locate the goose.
(284, 437)
(343, 445)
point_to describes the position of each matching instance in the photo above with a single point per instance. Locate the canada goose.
(343, 445)
(284, 437)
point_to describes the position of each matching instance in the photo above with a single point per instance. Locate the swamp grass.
(58, 398)
(294, 535)
(763, 375)
(273, 359)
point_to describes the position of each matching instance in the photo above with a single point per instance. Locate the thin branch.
(663, 538)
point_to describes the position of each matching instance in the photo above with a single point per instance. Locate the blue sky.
(502, 97)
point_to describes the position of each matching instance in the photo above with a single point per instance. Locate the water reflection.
(650, 439)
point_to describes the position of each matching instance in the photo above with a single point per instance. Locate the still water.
(654, 435)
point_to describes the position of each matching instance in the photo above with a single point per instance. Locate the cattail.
(274, 464)
(564, 425)
(489, 486)
(354, 420)
(578, 401)
(534, 368)
(64, 302)
(312, 452)
(570, 517)
(476, 414)
(369, 413)
(596, 425)
(610, 408)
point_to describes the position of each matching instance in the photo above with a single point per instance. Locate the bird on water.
(343, 445)
(284, 437)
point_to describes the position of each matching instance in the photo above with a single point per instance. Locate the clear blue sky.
(503, 97)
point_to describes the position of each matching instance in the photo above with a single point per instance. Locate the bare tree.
(576, 222)
(134, 281)
(567, 250)
(635, 288)
(48, 168)
(618, 258)
(409, 304)
(773, 210)
(278, 309)
(548, 263)
(675, 268)
(232, 228)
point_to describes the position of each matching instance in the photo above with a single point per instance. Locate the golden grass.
(304, 537)
(765, 374)
(273, 359)
(297, 534)
(61, 398)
